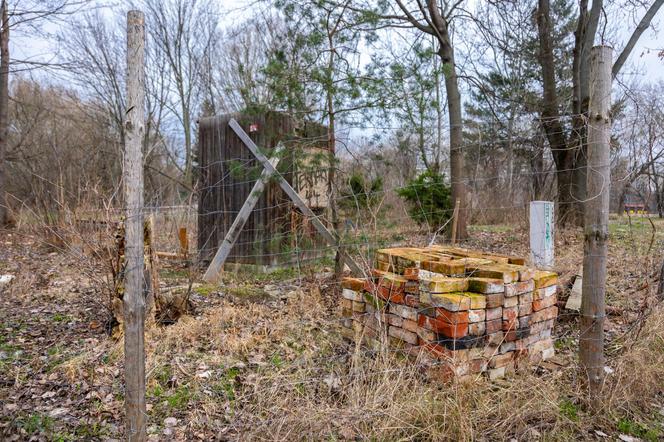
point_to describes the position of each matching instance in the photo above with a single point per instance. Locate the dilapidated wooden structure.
(275, 233)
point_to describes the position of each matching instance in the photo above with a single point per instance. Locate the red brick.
(494, 300)
(494, 326)
(452, 317)
(510, 313)
(355, 284)
(544, 315)
(501, 360)
(410, 325)
(494, 313)
(543, 303)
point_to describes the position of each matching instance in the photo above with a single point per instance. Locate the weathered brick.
(476, 315)
(510, 324)
(452, 317)
(494, 325)
(510, 313)
(394, 320)
(524, 286)
(541, 304)
(451, 267)
(486, 285)
(477, 328)
(442, 284)
(545, 279)
(524, 321)
(494, 300)
(544, 292)
(410, 325)
(346, 304)
(526, 298)
(426, 335)
(355, 284)
(510, 302)
(439, 325)
(495, 338)
(402, 334)
(494, 272)
(463, 343)
(545, 314)
(477, 365)
(507, 347)
(496, 373)
(358, 306)
(477, 301)
(494, 313)
(501, 360)
(525, 309)
(352, 295)
(404, 311)
(451, 301)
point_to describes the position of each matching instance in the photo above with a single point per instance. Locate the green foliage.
(628, 426)
(429, 199)
(362, 193)
(569, 410)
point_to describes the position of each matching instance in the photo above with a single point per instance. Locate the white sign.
(541, 234)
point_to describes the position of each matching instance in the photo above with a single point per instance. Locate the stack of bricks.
(459, 311)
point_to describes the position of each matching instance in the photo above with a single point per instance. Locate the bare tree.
(569, 149)
(183, 33)
(4, 109)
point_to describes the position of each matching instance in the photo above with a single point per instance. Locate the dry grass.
(276, 368)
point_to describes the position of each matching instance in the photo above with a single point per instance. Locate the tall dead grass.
(295, 379)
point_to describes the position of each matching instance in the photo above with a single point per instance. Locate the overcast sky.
(644, 61)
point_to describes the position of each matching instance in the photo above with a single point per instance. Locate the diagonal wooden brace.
(214, 269)
(299, 203)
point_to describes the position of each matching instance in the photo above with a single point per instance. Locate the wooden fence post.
(596, 225)
(455, 221)
(134, 301)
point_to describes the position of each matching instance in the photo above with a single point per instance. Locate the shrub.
(428, 198)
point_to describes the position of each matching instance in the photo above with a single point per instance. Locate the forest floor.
(261, 358)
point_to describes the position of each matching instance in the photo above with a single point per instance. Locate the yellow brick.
(477, 301)
(442, 284)
(453, 302)
(545, 279)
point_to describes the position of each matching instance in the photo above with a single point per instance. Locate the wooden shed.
(275, 234)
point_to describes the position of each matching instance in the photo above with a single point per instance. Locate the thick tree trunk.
(4, 114)
(563, 156)
(446, 53)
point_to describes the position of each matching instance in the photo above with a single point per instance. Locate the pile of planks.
(459, 311)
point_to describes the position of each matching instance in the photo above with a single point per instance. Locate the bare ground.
(261, 359)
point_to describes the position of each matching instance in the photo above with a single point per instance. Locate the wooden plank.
(214, 269)
(184, 242)
(295, 197)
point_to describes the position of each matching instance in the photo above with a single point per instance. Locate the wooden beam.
(132, 177)
(596, 226)
(214, 269)
(295, 197)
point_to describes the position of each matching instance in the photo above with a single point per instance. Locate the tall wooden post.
(596, 225)
(134, 301)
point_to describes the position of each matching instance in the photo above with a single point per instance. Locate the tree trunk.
(4, 114)
(596, 223)
(446, 53)
(563, 157)
(331, 146)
